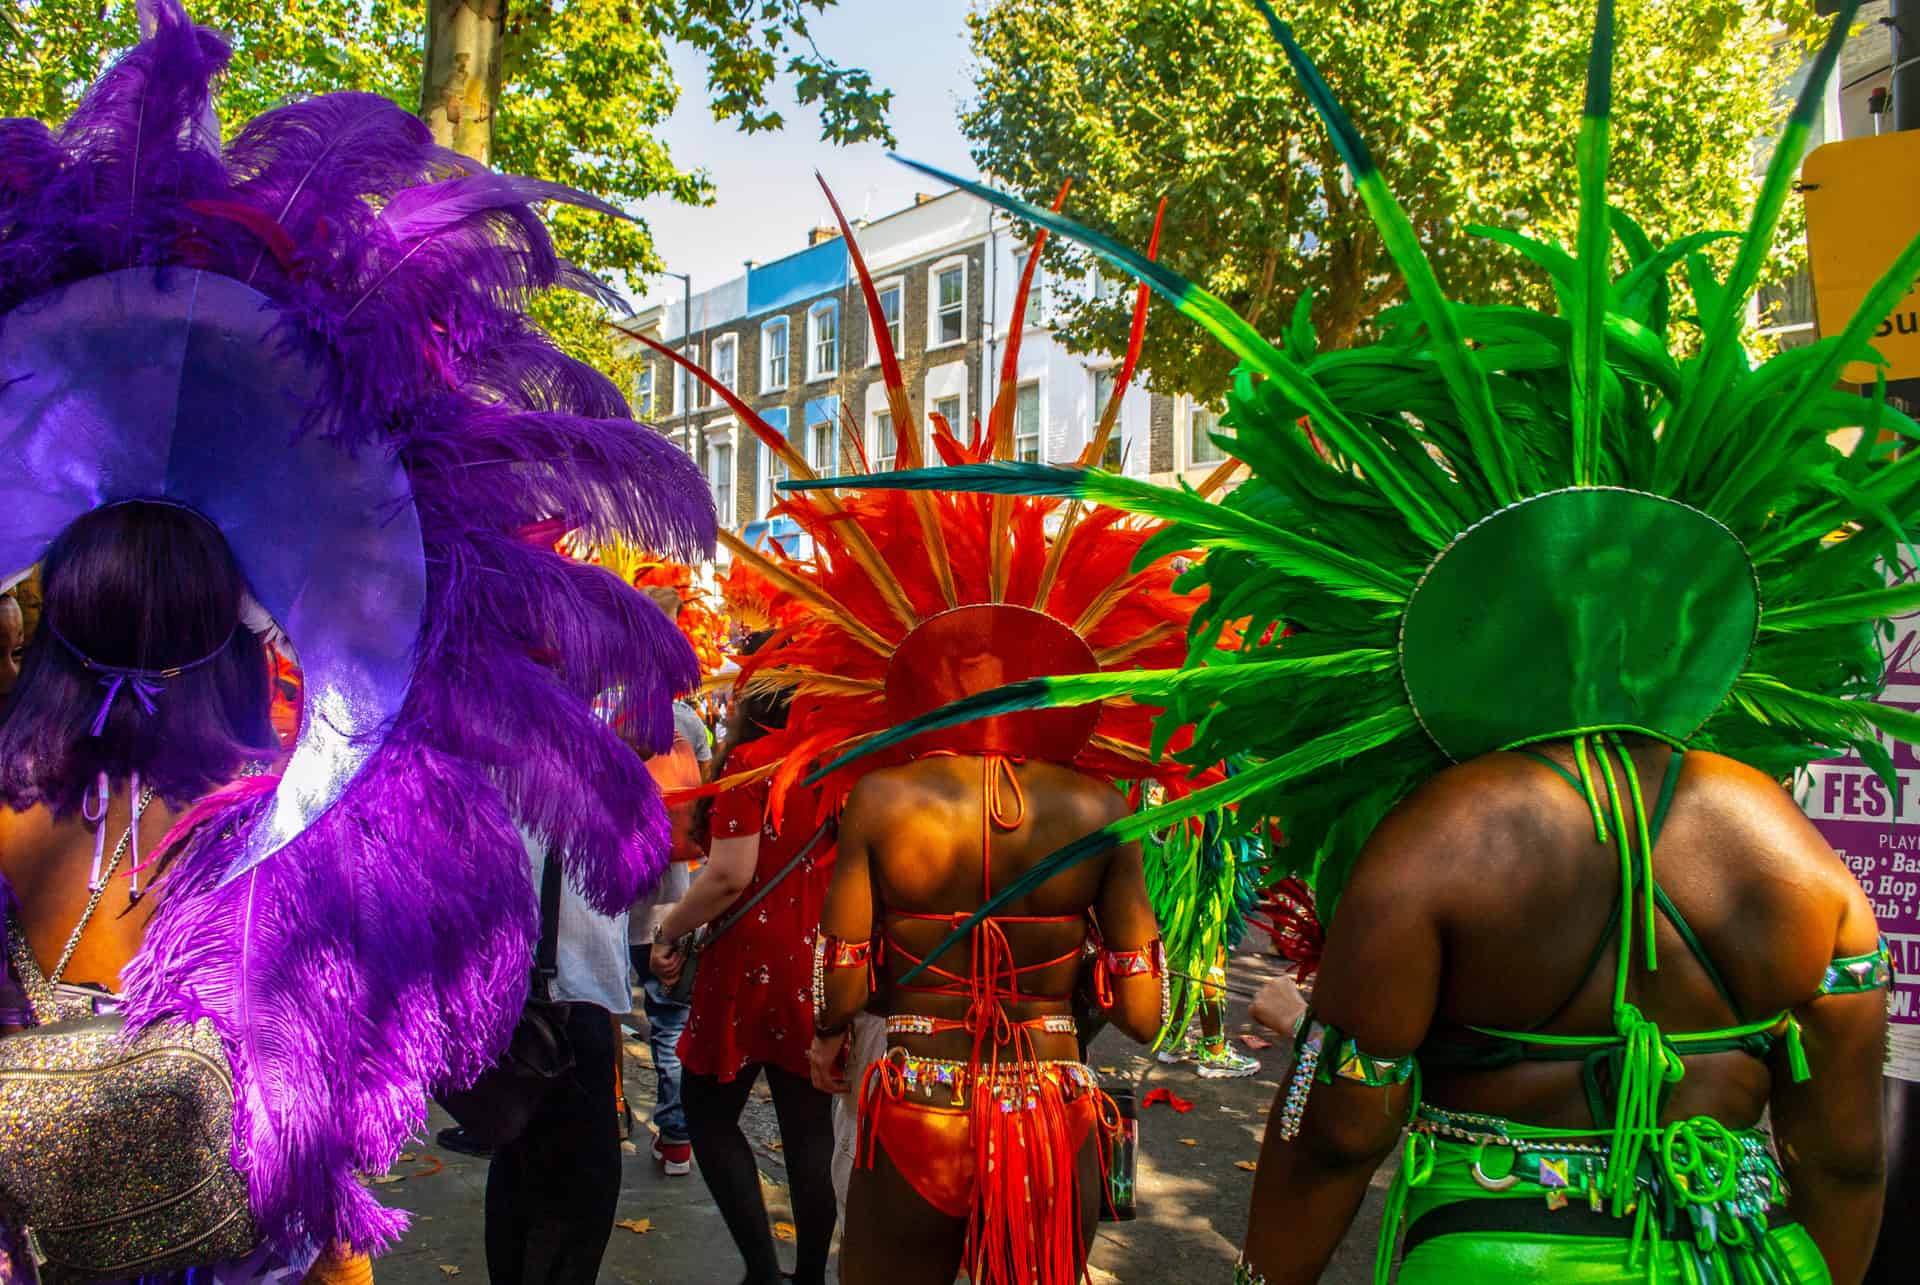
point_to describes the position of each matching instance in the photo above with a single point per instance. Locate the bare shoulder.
(1457, 826)
(885, 793)
(1090, 802)
(1751, 824)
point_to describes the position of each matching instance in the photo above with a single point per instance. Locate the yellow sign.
(1863, 207)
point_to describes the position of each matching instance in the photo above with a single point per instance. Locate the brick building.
(790, 336)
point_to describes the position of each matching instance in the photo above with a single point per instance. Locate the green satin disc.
(1578, 610)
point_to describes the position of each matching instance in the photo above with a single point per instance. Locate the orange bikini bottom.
(1022, 1124)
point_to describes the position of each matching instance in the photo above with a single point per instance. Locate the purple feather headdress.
(383, 950)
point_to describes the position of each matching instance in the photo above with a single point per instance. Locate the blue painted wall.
(821, 269)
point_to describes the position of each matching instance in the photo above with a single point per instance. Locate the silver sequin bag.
(115, 1152)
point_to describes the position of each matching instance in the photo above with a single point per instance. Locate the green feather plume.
(1364, 463)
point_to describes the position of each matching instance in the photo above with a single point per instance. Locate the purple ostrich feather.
(384, 952)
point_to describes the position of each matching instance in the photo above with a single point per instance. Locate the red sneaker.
(675, 1157)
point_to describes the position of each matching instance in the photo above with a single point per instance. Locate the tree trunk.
(460, 81)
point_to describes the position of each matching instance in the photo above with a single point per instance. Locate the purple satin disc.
(171, 384)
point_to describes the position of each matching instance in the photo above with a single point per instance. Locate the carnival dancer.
(979, 1123)
(290, 379)
(1584, 961)
(1202, 882)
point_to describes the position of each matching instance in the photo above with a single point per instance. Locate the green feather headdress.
(1496, 525)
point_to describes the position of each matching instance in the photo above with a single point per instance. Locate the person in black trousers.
(552, 1192)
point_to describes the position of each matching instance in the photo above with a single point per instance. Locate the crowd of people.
(315, 811)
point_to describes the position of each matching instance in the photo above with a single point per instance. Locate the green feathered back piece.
(1369, 467)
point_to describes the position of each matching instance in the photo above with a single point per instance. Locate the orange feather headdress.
(912, 599)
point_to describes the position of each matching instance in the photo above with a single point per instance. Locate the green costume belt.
(1694, 1209)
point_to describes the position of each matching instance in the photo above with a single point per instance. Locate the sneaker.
(1175, 1054)
(675, 1157)
(458, 1139)
(1221, 1061)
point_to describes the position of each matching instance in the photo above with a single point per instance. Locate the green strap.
(1672, 912)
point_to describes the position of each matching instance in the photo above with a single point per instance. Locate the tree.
(584, 84)
(1470, 107)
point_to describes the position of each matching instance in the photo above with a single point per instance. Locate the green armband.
(1857, 974)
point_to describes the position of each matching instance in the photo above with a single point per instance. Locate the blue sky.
(766, 196)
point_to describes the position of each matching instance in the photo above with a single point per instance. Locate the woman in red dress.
(753, 1003)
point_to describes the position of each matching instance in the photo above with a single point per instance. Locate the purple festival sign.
(1878, 836)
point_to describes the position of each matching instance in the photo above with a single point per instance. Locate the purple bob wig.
(382, 952)
(142, 585)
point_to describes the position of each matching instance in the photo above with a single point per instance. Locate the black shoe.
(458, 1139)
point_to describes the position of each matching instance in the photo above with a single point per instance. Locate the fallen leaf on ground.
(1255, 1042)
(1248, 1165)
(1108, 1070)
(776, 1145)
(783, 1231)
(1189, 1142)
(408, 1155)
(448, 1269)
(384, 1178)
(638, 1226)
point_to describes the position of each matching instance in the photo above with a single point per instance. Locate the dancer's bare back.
(911, 844)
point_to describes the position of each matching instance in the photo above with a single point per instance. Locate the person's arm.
(1129, 930)
(1829, 1128)
(1379, 984)
(847, 917)
(728, 870)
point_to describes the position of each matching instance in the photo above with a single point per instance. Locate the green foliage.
(581, 329)
(1470, 108)
(587, 83)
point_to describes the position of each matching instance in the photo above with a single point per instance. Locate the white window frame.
(815, 311)
(766, 496)
(959, 425)
(720, 438)
(643, 396)
(898, 328)
(768, 384)
(731, 343)
(877, 459)
(1039, 434)
(934, 310)
(1118, 442)
(1187, 458)
(830, 466)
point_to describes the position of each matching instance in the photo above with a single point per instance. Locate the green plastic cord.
(1645, 837)
(1580, 749)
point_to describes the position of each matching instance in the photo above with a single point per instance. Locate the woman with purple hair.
(291, 381)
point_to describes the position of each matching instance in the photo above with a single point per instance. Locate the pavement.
(1193, 1181)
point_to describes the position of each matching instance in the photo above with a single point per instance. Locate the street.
(1192, 1190)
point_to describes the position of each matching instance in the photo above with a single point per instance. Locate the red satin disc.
(975, 649)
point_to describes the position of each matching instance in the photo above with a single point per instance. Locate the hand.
(1279, 1006)
(666, 962)
(826, 1060)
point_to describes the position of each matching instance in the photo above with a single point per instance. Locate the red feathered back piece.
(884, 562)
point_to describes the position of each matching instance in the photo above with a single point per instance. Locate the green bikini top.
(1629, 1073)
(1606, 1058)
